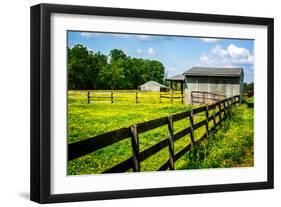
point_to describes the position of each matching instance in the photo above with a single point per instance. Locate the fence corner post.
(88, 95)
(135, 148)
(171, 143)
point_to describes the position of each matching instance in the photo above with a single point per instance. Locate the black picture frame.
(41, 95)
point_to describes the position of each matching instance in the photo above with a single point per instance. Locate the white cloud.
(171, 70)
(209, 40)
(242, 55)
(144, 37)
(92, 35)
(229, 56)
(121, 35)
(206, 59)
(89, 34)
(139, 37)
(219, 51)
(151, 51)
(139, 51)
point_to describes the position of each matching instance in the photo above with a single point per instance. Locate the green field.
(226, 149)
(231, 146)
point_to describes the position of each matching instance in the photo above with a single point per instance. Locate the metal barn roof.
(179, 77)
(214, 71)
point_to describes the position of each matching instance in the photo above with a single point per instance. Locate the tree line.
(90, 70)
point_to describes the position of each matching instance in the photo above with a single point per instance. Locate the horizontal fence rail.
(81, 148)
(171, 96)
(132, 96)
(204, 97)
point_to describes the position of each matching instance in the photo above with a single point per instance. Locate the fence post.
(88, 95)
(229, 106)
(160, 97)
(191, 126)
(214, 117)
(234, 103)
(224, 112)
(111, 96)
(136, 97)
(172, 96)
(181, 94)
(204, 97)
(219, 112)
(207, 120)
(135, 148)
(171, 143)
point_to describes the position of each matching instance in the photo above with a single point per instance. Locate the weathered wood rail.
(102, 96)
(81, 148)
(204, 97)
(135, 96)
(108, 96)
(171, 96)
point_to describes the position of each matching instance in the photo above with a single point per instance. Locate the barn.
(210, 83)
(153, 86)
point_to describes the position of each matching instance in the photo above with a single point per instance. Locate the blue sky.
(178, 54)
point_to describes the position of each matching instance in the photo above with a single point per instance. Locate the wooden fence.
(171, 96)
(111, 96)
(204, 97)
(101, 96)
(81, 148)
(135, 96)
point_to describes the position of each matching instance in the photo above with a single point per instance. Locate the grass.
(250, 100)
(231, 146)
(87, 120)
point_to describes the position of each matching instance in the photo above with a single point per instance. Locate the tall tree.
(248, 87)
(78, 67)
(89, 70)
(84, 67)
(116, 54)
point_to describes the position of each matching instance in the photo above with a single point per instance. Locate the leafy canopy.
(89, 70)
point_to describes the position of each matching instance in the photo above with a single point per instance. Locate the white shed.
(153, 86)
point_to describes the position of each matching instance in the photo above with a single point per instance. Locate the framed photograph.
(132, 103)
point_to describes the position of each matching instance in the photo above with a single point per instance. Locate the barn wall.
(225, 86)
